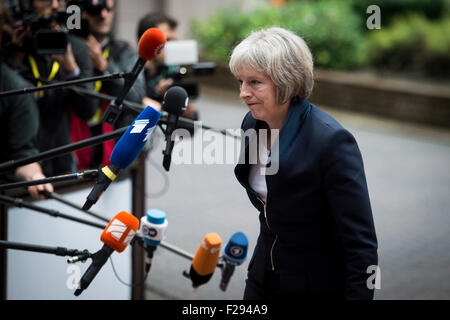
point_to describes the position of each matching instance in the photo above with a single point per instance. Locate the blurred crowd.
(37, 48)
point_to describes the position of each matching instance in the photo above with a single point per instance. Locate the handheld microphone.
(205, 260)
(125, 152)
(150, 45)
(153, 228)
(234, 254)
(175, 103)
(116, 236)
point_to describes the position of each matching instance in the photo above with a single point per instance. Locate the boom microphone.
(88, 174)
(150, 45)
(116, 236)
(234, 254)
(175, 103)
(125, 152)
(205, 260)
(153, 228)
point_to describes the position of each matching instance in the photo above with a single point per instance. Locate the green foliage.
(219, 33)
(337, 35)
(330, 28)
(414, 42)
(391, 9)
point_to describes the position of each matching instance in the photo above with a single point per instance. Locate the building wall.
(128, 13)
(185, 11)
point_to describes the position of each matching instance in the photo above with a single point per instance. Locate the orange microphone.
(116, 236)
(150, 45)
(205, 260)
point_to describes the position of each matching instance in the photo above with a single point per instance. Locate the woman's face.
(258, 92)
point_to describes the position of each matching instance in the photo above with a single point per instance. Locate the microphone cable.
(131, 285)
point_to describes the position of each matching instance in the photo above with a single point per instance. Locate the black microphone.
(174, 103)
(88, 174)
(149, 46)
(234, 254)
(56, 152)
(58, 251)
(19, 203)
(54, 85)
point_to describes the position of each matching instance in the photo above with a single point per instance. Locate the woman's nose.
(244, 92)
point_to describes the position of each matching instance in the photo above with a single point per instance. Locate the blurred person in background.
(108, 55)
(157, 74)
(19, 119)
(317, 236)
(54, 105)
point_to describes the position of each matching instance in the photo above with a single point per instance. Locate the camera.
(181, 61)
(179, 73)
(40, 38)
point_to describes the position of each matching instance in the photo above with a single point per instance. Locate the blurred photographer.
(19, 120)
(160, 77)
(108, 55)
(42, 52)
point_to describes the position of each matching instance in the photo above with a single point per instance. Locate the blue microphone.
(125, 152)
(234, 254)
(153, 228)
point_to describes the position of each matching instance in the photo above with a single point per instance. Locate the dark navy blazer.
(316, 228)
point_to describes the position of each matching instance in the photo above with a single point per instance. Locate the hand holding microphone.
(150, 45)
(116, 236)
(125, 152)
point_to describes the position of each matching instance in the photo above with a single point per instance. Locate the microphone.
(153, 228)
(88, 174)
(125, 152)
(150, 45)
(234, 254)
(116, 236)
(175, 102)
(205, 260)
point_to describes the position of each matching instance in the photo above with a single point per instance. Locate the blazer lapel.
(289, 134)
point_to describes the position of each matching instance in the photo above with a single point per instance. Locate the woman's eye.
(255, 82)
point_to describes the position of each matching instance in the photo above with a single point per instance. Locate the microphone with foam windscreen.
(153, 229)
(150, 45)
(116, 236)
(234, 254)
(175, 102)
(125, 152)
(205, 260)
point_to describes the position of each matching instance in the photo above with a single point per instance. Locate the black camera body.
(180, 73)
(40, 38)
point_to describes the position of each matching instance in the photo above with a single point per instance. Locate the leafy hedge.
(392, 9)
(330, 29)
(412, 42)
(336, 34)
